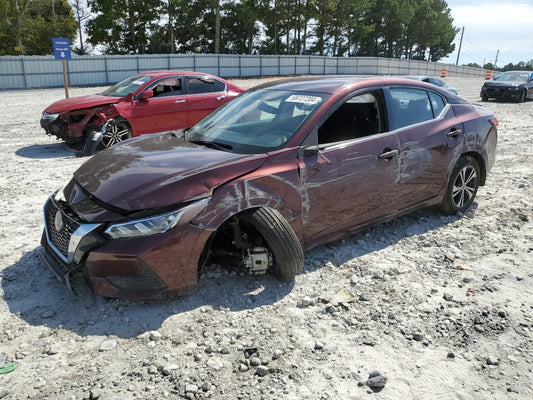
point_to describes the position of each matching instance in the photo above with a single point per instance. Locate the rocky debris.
(492, 360)
(376, 381)
(108, 345)
(307, 301)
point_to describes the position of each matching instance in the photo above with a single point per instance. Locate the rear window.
(408, 107)
(197, 85)
(437, 103)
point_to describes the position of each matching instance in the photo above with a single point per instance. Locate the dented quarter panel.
(478, 139)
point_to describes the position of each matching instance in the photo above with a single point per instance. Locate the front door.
(167, 110)
(353, 178)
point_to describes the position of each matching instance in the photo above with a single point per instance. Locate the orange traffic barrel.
(443, 73)
(488, 74)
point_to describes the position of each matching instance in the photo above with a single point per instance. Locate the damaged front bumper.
(71, 126)
(158, 266)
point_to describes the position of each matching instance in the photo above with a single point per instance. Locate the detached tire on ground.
(288, 257)
(462, 186)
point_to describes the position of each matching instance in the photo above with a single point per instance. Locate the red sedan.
(148, 102)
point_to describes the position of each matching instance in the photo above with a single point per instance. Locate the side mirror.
(147, 94)
(307, 151)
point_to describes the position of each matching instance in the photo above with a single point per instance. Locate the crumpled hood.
(80, 102)
(160, 170)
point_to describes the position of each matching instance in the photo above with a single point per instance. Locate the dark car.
(511, 85)
(284, 167)
(148, 102)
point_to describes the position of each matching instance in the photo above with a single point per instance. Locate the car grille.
(59, 239)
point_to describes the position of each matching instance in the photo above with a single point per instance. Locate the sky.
(492, 25)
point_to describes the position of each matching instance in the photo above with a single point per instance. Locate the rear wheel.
(462, 186)
(117, 131)
(484, 98)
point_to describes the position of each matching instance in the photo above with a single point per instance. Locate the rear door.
(204, 94)
(428, 131)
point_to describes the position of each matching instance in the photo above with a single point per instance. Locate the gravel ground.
(424, 307)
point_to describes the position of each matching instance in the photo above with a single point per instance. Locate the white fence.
(28, 72)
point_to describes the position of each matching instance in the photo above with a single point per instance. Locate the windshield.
(127, 86)
(258, 121)
(513, 77)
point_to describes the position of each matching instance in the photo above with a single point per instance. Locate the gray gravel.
(438, 306)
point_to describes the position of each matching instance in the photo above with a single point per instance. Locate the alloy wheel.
(115, 133)
(465, 186)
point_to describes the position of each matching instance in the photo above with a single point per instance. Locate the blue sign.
(61, 48)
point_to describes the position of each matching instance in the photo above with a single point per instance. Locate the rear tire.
(462, 186)
(484, 98)
(288, 257)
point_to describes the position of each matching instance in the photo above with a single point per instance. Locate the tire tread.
(282, 241)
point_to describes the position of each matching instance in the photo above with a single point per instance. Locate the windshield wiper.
(215, 145)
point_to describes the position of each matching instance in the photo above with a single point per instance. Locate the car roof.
(160, 74)
(334, 84)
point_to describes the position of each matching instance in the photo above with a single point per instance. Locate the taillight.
(494, 122)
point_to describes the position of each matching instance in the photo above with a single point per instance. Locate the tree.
(28, 26)
(123, 27)
(241, 26)
(81, 13)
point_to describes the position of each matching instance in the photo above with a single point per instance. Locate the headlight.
(50, 117)
(58, 195)
(156, 224)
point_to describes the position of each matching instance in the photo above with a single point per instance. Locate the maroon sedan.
(284, 167)
(148, 102)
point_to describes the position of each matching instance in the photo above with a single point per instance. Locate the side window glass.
(167, 87)
(200, 85)
(219, 86)
(437, 103)
(357, 117)
(436, 82)
(408, 107)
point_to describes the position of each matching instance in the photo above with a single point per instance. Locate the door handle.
(388, 155)
(454, 132)
(222, 96)
(179, 101)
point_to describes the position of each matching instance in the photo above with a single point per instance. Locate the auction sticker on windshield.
(297, 98)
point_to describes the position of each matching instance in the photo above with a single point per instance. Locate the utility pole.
(496, 60)
(217, 27)
(171, 26)
(460, 44)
